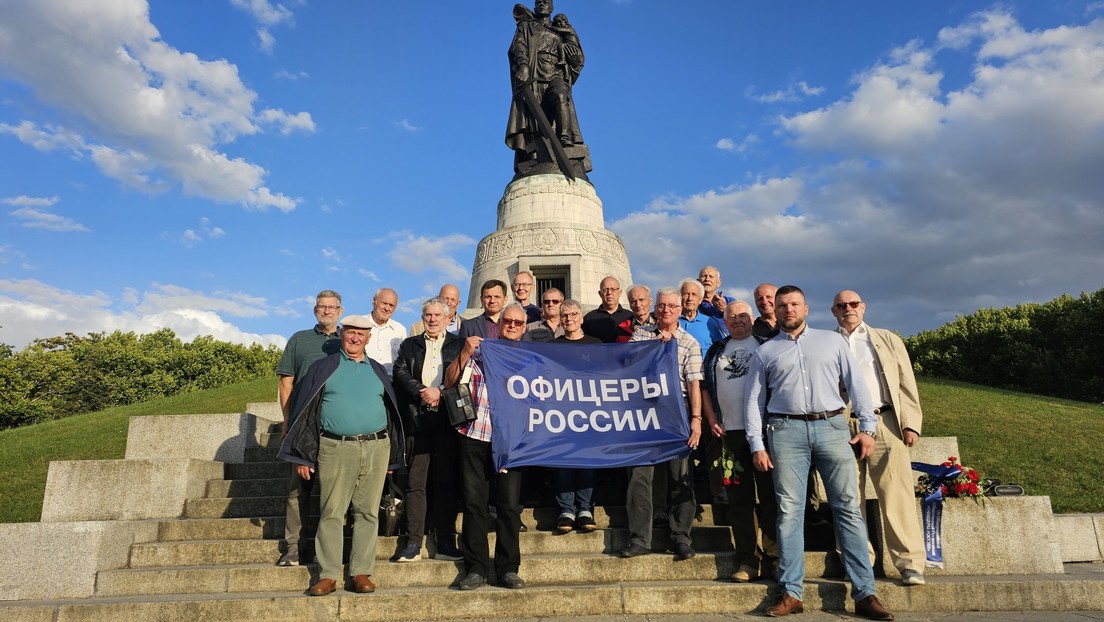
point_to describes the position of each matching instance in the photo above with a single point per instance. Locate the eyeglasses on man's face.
(551, 301)
(512, 322)
(854, 304)
(327, 308)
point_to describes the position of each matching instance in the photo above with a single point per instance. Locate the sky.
(208, 166)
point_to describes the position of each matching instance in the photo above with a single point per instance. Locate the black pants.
(477, 475)
(433, 468)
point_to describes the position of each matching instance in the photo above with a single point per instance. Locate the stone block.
(266, 410)
(94, 490)
(998, 536)
(222, 437)
(61, 559)
(1080, 537)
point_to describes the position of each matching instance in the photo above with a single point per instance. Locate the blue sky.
(208, 166)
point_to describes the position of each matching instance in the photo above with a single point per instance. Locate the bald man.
(887, 370)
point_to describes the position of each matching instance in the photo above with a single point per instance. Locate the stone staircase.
(215, 560)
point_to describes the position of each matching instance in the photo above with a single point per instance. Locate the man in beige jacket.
(885, 363)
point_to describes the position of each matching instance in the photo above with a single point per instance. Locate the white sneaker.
(911, 577)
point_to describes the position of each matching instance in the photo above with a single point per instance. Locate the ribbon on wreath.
(931, 507)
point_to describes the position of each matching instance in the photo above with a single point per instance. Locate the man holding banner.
(638, 498)
(478, 472)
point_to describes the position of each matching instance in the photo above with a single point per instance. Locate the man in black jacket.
(347, 424)
(418, 378)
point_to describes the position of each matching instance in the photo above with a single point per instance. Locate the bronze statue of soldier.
(545, 61)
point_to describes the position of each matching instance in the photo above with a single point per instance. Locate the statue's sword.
(546, 129)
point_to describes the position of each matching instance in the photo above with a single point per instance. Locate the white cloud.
(727, 144)
(929, 202)
(331, 254)
(792, 93)
(26, 201)
(283, 74)
(32, 309)
(288, 123)
(265, 41)
(37, 219)
(267, 15)
(206, 231)
(407, 125)
(149, 114)
(264, 11)
(430, 255)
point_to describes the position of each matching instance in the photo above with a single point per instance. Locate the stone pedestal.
(555, 229)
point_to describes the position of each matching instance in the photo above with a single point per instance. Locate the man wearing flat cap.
(348, 434)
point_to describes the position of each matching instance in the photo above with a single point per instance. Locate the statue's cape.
(522, 13)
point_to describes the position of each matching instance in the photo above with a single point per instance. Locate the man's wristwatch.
(873, 435)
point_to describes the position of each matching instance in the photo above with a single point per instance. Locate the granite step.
(1074, 591)
(542, 518)
(545, 569)
(256, 550)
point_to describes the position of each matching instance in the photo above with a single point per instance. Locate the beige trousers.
(889, 470)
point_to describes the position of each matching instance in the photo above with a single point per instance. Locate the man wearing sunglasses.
(477, 472)
(885, 365)
(549, 326)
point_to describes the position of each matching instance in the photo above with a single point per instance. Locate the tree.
(1051, 348)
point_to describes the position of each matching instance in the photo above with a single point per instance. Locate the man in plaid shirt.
(477, 472)
(638, 498)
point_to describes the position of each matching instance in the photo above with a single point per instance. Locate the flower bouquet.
(730, 468)
(957, 480)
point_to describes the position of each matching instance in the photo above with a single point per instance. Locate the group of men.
(778, 397)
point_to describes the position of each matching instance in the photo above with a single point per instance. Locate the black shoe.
(472, 581)
(683, 551)
(585, 524)
(635, 550)
(565, 524)
(512, 580)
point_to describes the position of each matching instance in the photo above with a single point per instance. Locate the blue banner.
(591, 406)
(931, 508)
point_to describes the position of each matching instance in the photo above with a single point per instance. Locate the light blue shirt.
(802, 375)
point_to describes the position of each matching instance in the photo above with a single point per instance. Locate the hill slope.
(1047, 445)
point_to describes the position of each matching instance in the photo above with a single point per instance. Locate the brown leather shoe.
(362, 584)
(785, 606)
(870, 607)
(323, 587)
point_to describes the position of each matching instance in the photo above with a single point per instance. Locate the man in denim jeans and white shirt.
(794, 380)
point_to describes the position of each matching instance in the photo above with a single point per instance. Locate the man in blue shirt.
(794, 386)
(700, 326)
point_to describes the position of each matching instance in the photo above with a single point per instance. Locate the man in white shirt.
(725, 378)
(887, 370)
(387, 334)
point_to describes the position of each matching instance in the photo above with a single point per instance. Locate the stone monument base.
(555, 229)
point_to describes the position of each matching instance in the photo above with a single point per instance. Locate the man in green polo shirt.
(347, 433)
(304, 348)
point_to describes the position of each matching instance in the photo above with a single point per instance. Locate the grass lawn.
(27, 451)
(1047, 445)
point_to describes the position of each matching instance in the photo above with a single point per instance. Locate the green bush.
(1049, 349)
(67, 375)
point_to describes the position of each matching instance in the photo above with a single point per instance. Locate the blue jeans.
(794, 446)
(574, 490)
